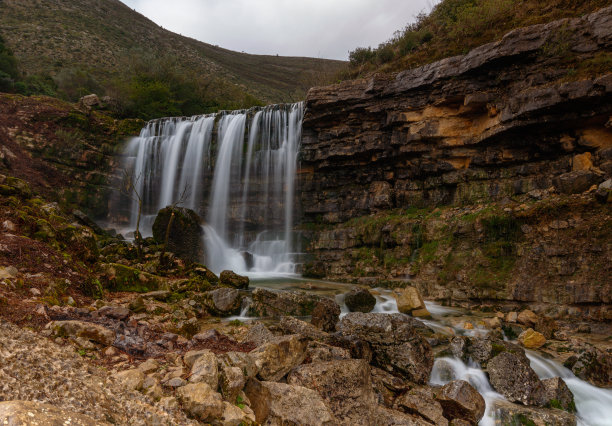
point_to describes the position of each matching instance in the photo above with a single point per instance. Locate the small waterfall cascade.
(237, 170)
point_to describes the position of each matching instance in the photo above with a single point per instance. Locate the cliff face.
(497, 133)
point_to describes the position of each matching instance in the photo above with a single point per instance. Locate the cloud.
(316, 28)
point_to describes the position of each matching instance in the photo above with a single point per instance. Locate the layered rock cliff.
(477, 155)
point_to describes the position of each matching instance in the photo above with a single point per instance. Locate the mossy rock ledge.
(185, 235)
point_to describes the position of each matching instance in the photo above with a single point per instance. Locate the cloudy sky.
(316, 28)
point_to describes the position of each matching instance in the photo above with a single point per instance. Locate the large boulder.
(205, 370)
(345, 386)
(185, 234)
(285, 404)
(558, 394)
(359, 300)
(409, 301)
(396, 345)
(326, 315)
(507, 413)
(267, 303)
(258, 334)
(577, 181)
(232, 279)
(85, 330)
(531, 339)
(24, 413)
(321, 352)
(483, 349)
(593, 365)
(292, 325)
(516, 380)
(277, 357)
(420, 401)
(223, 301)
(200, 401)
(460, 400)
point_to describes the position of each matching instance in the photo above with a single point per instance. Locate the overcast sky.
(316, 28)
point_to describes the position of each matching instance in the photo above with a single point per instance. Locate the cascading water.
(237, 170)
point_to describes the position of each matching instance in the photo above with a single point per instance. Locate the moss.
(521, 420)
(124, 278)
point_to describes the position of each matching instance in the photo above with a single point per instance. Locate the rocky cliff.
(468, 175)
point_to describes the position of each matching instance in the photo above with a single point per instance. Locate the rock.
(200, 401)
(420, 401)
(232, 279)
(35, 292)
(395, 343)
(483, 349)
(576, 182)
(152, 388)
(460, 400)
(409, 300)
(234, 416)
(359, 300)
(515, 380)
(292, 325)
(277, 357)
(558, 394)
(8, 272)
(241, 360)
(176, 382)
(531, 339)
(205, 370)
(232, 381)
(387, 387)
(593, 365)
(223, 301)
(89, 101)
(160, 295)
(192, 356)
(512, 317)
(320, 352)
(267, 303)
(137, 305)
(547, 326)
(493, 323)
(507, 413)
(326, 315)
(184, 234)
(345, 386)
(149, 366)
(582, 162)
(130, 379)
(73, 328)
(168, 403)
(115, 312)
(388, 417)
(26, 413)
(527, 318)
(285, 404)
(258, 334)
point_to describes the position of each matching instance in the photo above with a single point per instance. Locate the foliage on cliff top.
(454, 27)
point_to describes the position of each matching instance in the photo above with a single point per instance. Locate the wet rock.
(200, 401)
(25, 413)
(359, 300)
(86, 330)
(547, 326)
(184, 235)
(531, 339)
(516, 380)
(395, 343)
(593, 365)
(345, 386)
(277, 357)
(320, 352)
(460, 400)
(280, 404)
(483, 349)
(420, 401)
(527, 318)
(258, 334)
(205, 370)
(130, 379)
(558, 394)
(267, 303)
(387, 387)
(292, 325)
(507, 413)
(409, 301)
(326, 315)
(115, 312)
(232, 279)
(223, 301)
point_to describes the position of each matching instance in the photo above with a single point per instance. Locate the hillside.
(87, 45)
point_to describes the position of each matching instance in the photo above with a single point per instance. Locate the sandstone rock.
(387, 387)
(258, 334)
(582, 162)
(130, 379)
(149, 366)
(389, 417)
(292, 325)
(359, 300)
(408, 300)
(241, 360)
(73, 328)
(232, 381)
(200, 401)
(527, 318)
(531, 339)
(507, 414)
(420, 401)
(205, 370)
(460, 400)
(558, 394)
(192, 356)
(267, 303)
(277, 357)
(326, 315)
(345, 386)
(320, 352)
(223, 301)
(515, 380)
(26, 413)
(234, 416)
(396, 345)
(184, 235)
(280, 404)
(232, 279)
(576, 182)
(116, 312)
(152, 388)
(512, 317)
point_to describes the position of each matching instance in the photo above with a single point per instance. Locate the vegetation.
(456, 26)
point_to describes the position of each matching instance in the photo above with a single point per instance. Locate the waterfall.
(237, 170)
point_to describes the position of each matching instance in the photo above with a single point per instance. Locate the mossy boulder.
(119, 277)
(181, 228)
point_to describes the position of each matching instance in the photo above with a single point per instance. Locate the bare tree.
(129, 188)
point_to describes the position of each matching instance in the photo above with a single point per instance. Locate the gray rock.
(73, 328)
(558, 394)
(326, 315)
(292, 325)
(267, 303)
(115, 312)
(232, 381)
(576, 182)
(507, 413)
(130, 379)
(200, 401)
(420, 401)
(459, 400)
(258, 334)
(232, 279)
(483, 349)
(515, 380)
(25, 413)
(242, 360)
(205, 369)
(359, 300)
(279, 356)
(223, 301)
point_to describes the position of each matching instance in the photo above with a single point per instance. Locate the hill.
(104, 46)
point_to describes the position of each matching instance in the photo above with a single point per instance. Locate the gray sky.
(316, 28)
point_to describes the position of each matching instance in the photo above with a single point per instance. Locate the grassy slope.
(101, 36)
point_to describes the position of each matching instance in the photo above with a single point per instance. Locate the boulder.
(286, 404)
(507, 413)
(236, 416)
(409, 300)
(292, 325)
(115, 312)
(558, 394)
(345, 386)
(387, 387)
(25, 413)
(359, 300)
(547, 326)
(531, 339)
(130, 379)
(86, 330)
(576, 182)
(396, 346)
(389, 417)
(184, 235)
(483, 349)
(527, 318)
(232, 381)
(241, 360)
(232, 279)
(8, 272)
(512, 317)
(223, 301)
(200, 401)
(326, 315)
(267, 303)
(516, 380)
(192, 356)
(205, 370)
(277, 357)
(593, 365)
(459, 400)
(149, 366)
(420, 401)
(258, 334)
(320, 352)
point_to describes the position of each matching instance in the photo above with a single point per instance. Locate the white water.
(237, 171)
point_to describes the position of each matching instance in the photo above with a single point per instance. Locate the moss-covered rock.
(181, 229)
(124, 278)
